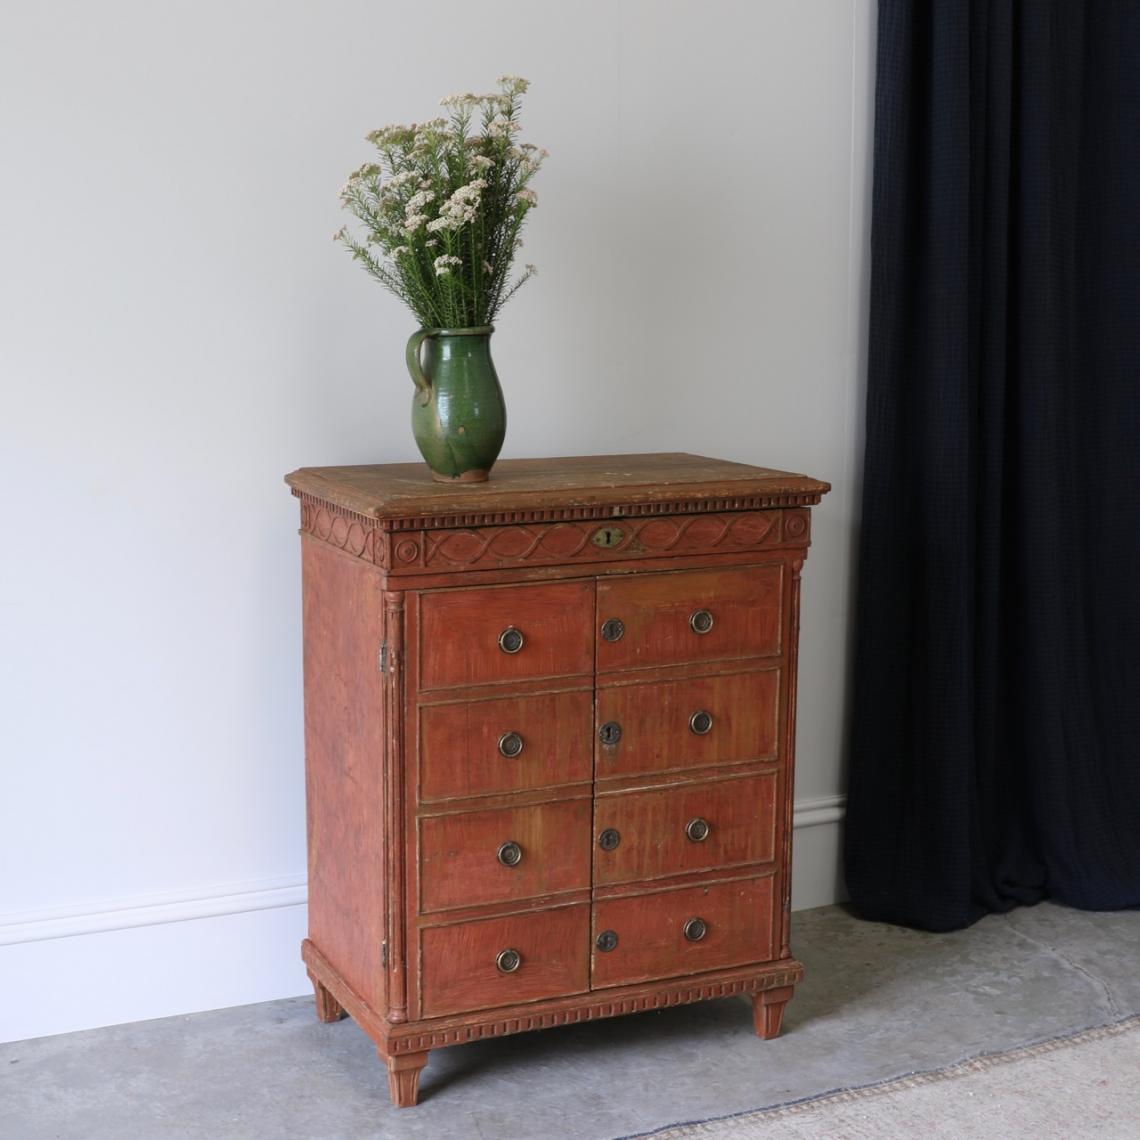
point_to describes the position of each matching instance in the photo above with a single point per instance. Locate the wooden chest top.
(403, 495)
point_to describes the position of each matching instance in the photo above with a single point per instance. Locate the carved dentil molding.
(681, 995)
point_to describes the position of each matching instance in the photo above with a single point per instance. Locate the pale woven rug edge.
(683, 1130)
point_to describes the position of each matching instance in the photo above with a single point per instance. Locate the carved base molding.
(394, 1039)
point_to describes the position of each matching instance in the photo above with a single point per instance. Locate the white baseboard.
(132, 959)
(821, 809)
(817, 852)
(162, 969)
(153, 910)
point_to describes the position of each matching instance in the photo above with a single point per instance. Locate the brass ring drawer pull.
(701, 722)
(511, 640)
(510, 854)
(609, 839)
(695, 929)
(508, 961)
(697, 829)
(510, 744)
(613, 629)
(700, 621)
(607, 941)
(610, 732)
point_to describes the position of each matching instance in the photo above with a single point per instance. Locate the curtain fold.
(995, 750)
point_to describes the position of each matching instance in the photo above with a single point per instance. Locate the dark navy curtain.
(995, 754)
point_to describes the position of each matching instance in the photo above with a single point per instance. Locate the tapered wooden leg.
(404, 1077)
(328, 1008)
(768, 1010)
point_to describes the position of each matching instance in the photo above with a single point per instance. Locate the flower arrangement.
(444, 207)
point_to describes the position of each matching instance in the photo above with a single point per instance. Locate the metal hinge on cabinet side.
(382, 657)
(384, 954)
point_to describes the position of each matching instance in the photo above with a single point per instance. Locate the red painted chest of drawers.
(549, 730)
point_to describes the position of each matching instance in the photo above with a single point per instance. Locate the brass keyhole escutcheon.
(511, 640)
(697, 829)
(508, 961)
(612, 629)
(510, 854)
(610, 733)
(510, 744)
(701, 722)
(607, 537)
(695, 929)
(609, 839)
(607, 941)
(700, 621)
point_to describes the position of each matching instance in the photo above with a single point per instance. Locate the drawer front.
(671, 831)
(459, 969)
(507, 633)
(649, 932)
(659, 726)
(505, 745)
(691, 615)
(466, 859)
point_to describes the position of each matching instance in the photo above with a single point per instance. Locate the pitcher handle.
(415, 368)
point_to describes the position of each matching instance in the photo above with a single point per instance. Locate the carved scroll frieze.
(551, 543)
(617, 539)
(346, 530)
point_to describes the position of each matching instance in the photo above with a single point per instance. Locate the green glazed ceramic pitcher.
(458, 415)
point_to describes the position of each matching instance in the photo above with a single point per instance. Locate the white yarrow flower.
(385, 136)
(500, 127)
(417, 200)
(528, 196)
(461, 207)
(444, 262)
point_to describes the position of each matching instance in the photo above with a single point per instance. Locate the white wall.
(177, 331)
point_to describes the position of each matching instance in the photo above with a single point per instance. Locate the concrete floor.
(878, 1002)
